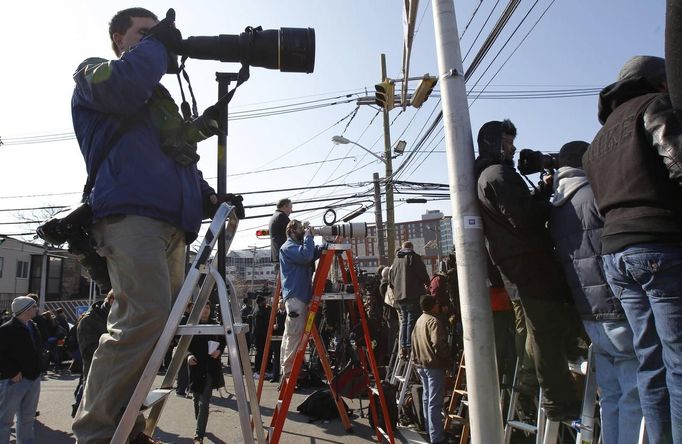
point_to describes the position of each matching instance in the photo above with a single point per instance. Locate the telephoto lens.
(353, 230)
(285, 49)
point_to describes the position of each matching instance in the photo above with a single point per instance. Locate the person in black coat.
(521, 249)
(205, 371)
(278, 228)
(20, 368)
(260, 321)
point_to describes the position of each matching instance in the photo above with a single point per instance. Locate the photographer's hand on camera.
(212, 202)
(166, 32)
(545, 187)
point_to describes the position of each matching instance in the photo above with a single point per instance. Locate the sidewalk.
(53, 426)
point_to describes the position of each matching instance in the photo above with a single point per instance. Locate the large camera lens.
(286, 49)
(355, 230)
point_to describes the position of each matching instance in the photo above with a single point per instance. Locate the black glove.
(236, 201)
(233, 199)
(166, 32)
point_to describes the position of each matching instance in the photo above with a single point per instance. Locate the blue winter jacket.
(576, 227)
(136, 178)
(296, 268)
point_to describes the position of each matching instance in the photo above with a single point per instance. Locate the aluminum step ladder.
(232, 328)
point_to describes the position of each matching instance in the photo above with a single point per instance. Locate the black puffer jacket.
(514, 223)
(576, 226)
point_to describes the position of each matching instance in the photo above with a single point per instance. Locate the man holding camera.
(296, 259)
(147, 202)
(520, 247)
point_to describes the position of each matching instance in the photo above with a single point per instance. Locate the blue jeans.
(410, 313)
(433, 381)
(647, 279)
(616, 371)
(20, 399)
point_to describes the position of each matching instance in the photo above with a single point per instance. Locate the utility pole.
(485, 417)
(43, 280)
(378, 219)
(253, 267)
(390, 216)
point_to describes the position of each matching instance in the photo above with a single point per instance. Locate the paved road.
(177, 422)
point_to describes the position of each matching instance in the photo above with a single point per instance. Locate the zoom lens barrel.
(285, 49)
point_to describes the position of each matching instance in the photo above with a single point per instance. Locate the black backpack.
(320, 405)
(390, 393)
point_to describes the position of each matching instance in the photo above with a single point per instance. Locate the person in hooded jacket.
(520, 247)
(409, 281)
(575, 226)
(634, 165)
(205, 371)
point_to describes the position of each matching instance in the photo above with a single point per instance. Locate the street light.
(399, 148)
(340, 140)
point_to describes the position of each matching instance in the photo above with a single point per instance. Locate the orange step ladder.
(368, 362)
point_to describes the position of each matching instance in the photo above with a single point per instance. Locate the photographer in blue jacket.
(147, 201)
(296, 259)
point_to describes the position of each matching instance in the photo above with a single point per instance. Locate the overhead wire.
(471, 19)
(499, 51)
(501, 23)
(514, 52)
(473, 43)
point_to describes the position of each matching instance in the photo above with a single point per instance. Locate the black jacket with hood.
(634, 165)
(514, 223)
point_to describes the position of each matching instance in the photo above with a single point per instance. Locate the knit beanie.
(648, 67)
(21, 304)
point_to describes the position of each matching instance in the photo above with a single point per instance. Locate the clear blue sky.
(577, 44)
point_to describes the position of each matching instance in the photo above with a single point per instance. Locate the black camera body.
(531, 162)
(74, 229)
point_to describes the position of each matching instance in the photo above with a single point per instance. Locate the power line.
(480, 31)
(515, 49)
(513, 33)
(480, 2)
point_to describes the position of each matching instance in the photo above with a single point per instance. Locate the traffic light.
(423, 90)
(385, 94)
(262, 233)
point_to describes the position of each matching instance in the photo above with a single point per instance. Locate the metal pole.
(390, 216)
(379, 220)
(43, 281)
(224, 80)
(485, 417)
(253, 268)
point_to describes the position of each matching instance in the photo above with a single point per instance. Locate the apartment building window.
(22, 269)
(2, 265)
